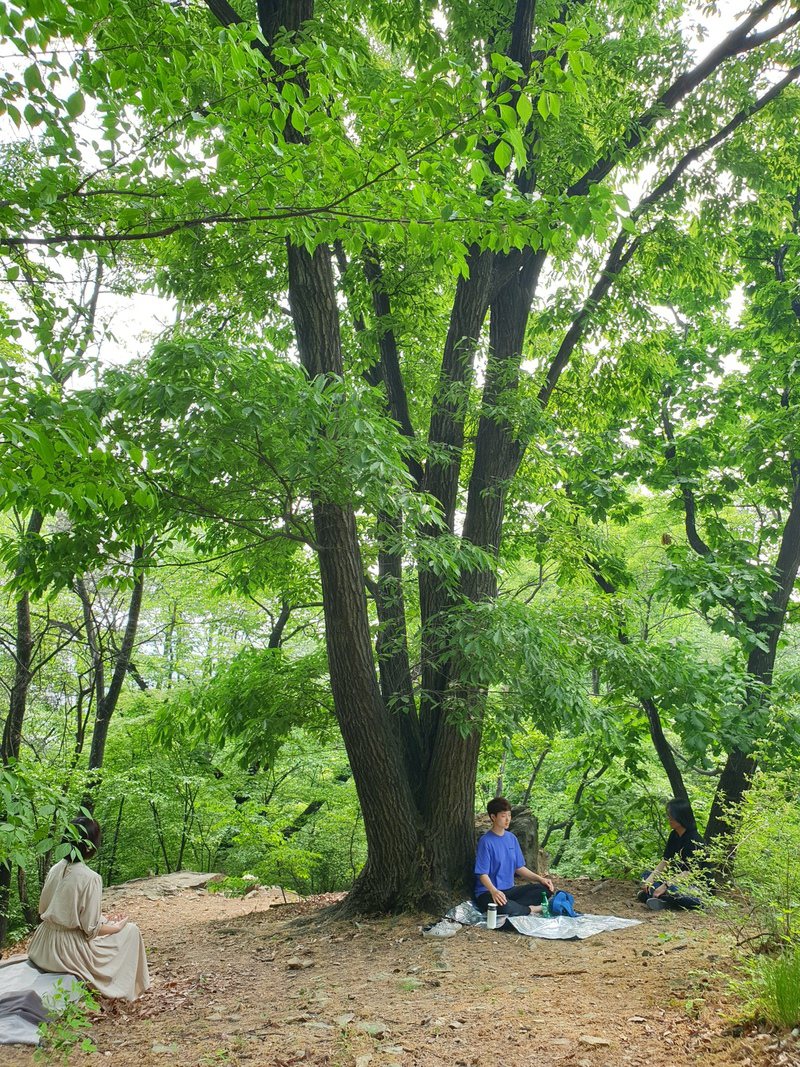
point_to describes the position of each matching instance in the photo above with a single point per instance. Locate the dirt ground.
(237, 982)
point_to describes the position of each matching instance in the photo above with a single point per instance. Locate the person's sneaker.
(654, 904)
(642, 896)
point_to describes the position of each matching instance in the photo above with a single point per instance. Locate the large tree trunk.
(506, 283)
(391, 641)
(734, 782)
(418, 851)
(392, 876)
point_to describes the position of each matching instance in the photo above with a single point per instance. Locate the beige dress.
(67, 940)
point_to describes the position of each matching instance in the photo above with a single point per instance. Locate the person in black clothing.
(682, 845)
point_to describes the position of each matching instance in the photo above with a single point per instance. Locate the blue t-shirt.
(498, 856)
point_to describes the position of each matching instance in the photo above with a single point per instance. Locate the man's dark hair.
(498, 804)
(84, 836)
(681, 812)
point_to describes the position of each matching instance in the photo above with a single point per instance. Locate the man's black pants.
(518, 899)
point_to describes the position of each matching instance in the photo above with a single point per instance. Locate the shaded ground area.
(240, 982)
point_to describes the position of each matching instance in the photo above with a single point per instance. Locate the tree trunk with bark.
(419, 819)
(108, 704)
(741, 766)
(18, 703)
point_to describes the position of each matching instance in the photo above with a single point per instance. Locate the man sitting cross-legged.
(498, 860)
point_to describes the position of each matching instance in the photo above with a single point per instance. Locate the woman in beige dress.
(75, 938)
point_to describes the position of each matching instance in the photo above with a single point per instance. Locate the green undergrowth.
(770, 988)
(67, 1030)
(233, 886)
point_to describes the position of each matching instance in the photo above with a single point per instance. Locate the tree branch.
(390, 357)
(620, 255)
(689, 503)
(735, 43)
(660, 744)
(755, 40)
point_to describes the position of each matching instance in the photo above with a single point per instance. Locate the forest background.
(468, 461)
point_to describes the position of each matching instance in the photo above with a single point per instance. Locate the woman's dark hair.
(681, 812)
(84, 836)
(496, 805)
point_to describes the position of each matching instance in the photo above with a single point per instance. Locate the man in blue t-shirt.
(498, 860)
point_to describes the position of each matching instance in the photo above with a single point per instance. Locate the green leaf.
(508, 115)
(33, 78)
(524, 108)
(75, 104)
(503, 155)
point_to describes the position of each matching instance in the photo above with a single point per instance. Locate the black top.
(681, 847)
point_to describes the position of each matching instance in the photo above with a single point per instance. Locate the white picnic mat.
(17, 975)
(554, 928)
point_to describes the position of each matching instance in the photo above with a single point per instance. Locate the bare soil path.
(239, 982)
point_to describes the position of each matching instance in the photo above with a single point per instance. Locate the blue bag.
(563, 903)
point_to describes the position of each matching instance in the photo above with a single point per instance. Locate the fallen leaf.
(594, 1042)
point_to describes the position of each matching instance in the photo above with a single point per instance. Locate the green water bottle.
(545, 907)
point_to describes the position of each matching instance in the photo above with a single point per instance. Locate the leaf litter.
(237, 999)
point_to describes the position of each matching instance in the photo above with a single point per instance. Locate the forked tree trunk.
(418, 852)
